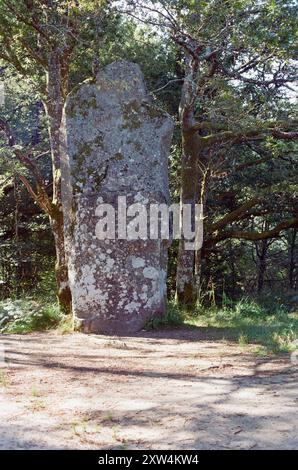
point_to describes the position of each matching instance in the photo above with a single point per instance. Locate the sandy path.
(164, 390)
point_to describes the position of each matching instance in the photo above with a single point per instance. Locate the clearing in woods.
(170, 389)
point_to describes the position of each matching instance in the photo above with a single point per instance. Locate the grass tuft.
(175, 316)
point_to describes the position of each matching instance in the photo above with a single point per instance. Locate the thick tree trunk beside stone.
(57, 84)
(185, 280)
(61, 267)
(192, 186)
(116, 144)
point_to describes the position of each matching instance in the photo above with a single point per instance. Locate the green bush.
(24, 316)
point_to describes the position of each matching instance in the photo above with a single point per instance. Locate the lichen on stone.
(114, 141)
(130, 114)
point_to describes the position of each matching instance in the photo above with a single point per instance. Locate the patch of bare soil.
(172, 389)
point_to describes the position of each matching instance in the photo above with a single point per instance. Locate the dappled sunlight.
(90, 392)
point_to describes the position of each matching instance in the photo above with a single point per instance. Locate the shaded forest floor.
(176, 388)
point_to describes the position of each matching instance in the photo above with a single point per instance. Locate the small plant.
(109, 417)
(66, 325)
(242, 340)
(35, 393)
(24, 316)
(37, 405)
(175, 316)
(80, 427)
(4, 382)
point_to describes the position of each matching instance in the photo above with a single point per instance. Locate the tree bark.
(262, 268)
(61, 270)
(56, 93)
(185, 280)
(292, 263)
(189, 262)
(262, 252)
(194, 183)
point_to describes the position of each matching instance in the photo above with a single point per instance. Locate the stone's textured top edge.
(114, 73)
(119, 67)
(126, 78)
(114, 139)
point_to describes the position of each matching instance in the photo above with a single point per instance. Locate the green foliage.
(265, 322)
(26, 245)
(66, 325)
(45, 290)
(174, 317)
(25, 316)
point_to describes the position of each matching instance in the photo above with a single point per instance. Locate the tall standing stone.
(116, 143)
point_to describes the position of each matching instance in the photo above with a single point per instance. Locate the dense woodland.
(225, 70)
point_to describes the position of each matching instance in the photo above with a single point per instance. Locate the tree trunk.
(262, 251)
(61, 269)
(292, 264)
(192, 186)
(261, 273)
(56, 92)
(189, 261)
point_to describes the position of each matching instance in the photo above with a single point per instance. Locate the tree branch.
(26, 21)
(234, 215)
(254, 236)
(243, 136)
(41, 195)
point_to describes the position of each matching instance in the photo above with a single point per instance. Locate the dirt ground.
(172, 389)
